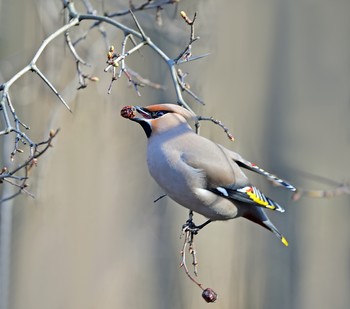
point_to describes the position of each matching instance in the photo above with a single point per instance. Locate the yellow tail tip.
(284, 241)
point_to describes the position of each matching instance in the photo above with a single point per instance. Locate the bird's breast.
(168, 170)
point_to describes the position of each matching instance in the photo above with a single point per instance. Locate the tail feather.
(268, 224)
(257, 215)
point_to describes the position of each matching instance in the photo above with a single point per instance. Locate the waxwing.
(199, 174)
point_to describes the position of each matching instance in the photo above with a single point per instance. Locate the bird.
(199, 174)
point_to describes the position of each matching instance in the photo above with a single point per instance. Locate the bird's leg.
(199, 227)
(191, 227)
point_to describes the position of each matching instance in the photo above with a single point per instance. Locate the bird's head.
(157, 118)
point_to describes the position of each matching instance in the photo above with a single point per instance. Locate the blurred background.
(278, 76)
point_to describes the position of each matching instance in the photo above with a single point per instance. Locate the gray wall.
(278, 76)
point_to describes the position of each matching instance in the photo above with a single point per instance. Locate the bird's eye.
(158, 114)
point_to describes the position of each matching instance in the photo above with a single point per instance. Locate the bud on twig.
(94, 78)
(185, 17)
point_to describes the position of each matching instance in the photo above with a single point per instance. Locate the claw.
(189, 226)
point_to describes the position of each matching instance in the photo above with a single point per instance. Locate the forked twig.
(13, 124)
(11, 177)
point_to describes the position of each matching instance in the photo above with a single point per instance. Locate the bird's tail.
(258, 216)
(268, 224)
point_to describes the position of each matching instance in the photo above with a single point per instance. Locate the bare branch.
(14, 115)
(186, 54)
(145, 81)
(189, 230)
(215, 121)
(148, 5)
(185, 87)
(192, 58)
(21, 181)
(341, 190)
(73, 50)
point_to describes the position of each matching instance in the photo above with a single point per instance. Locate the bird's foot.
(189, 226)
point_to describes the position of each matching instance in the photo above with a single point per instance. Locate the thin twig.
(185, 86)
(73, 50)
(217, 122)
(35, 69)
(341, 190)
(169, 61)
(14, 114)
(192, 58)
(187, 52)
(188, 240)
(146, 81)
(144, 37)
(26, 166)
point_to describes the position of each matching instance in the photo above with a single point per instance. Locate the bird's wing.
(222, 174)
(253, 167)
(219, 169)
(249, 195)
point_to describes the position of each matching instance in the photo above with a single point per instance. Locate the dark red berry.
(209, 295)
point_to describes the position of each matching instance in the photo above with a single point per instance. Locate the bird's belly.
(187, 188)
(207, 204)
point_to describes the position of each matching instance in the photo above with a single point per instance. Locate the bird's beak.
(129, 112)
(144, 112)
